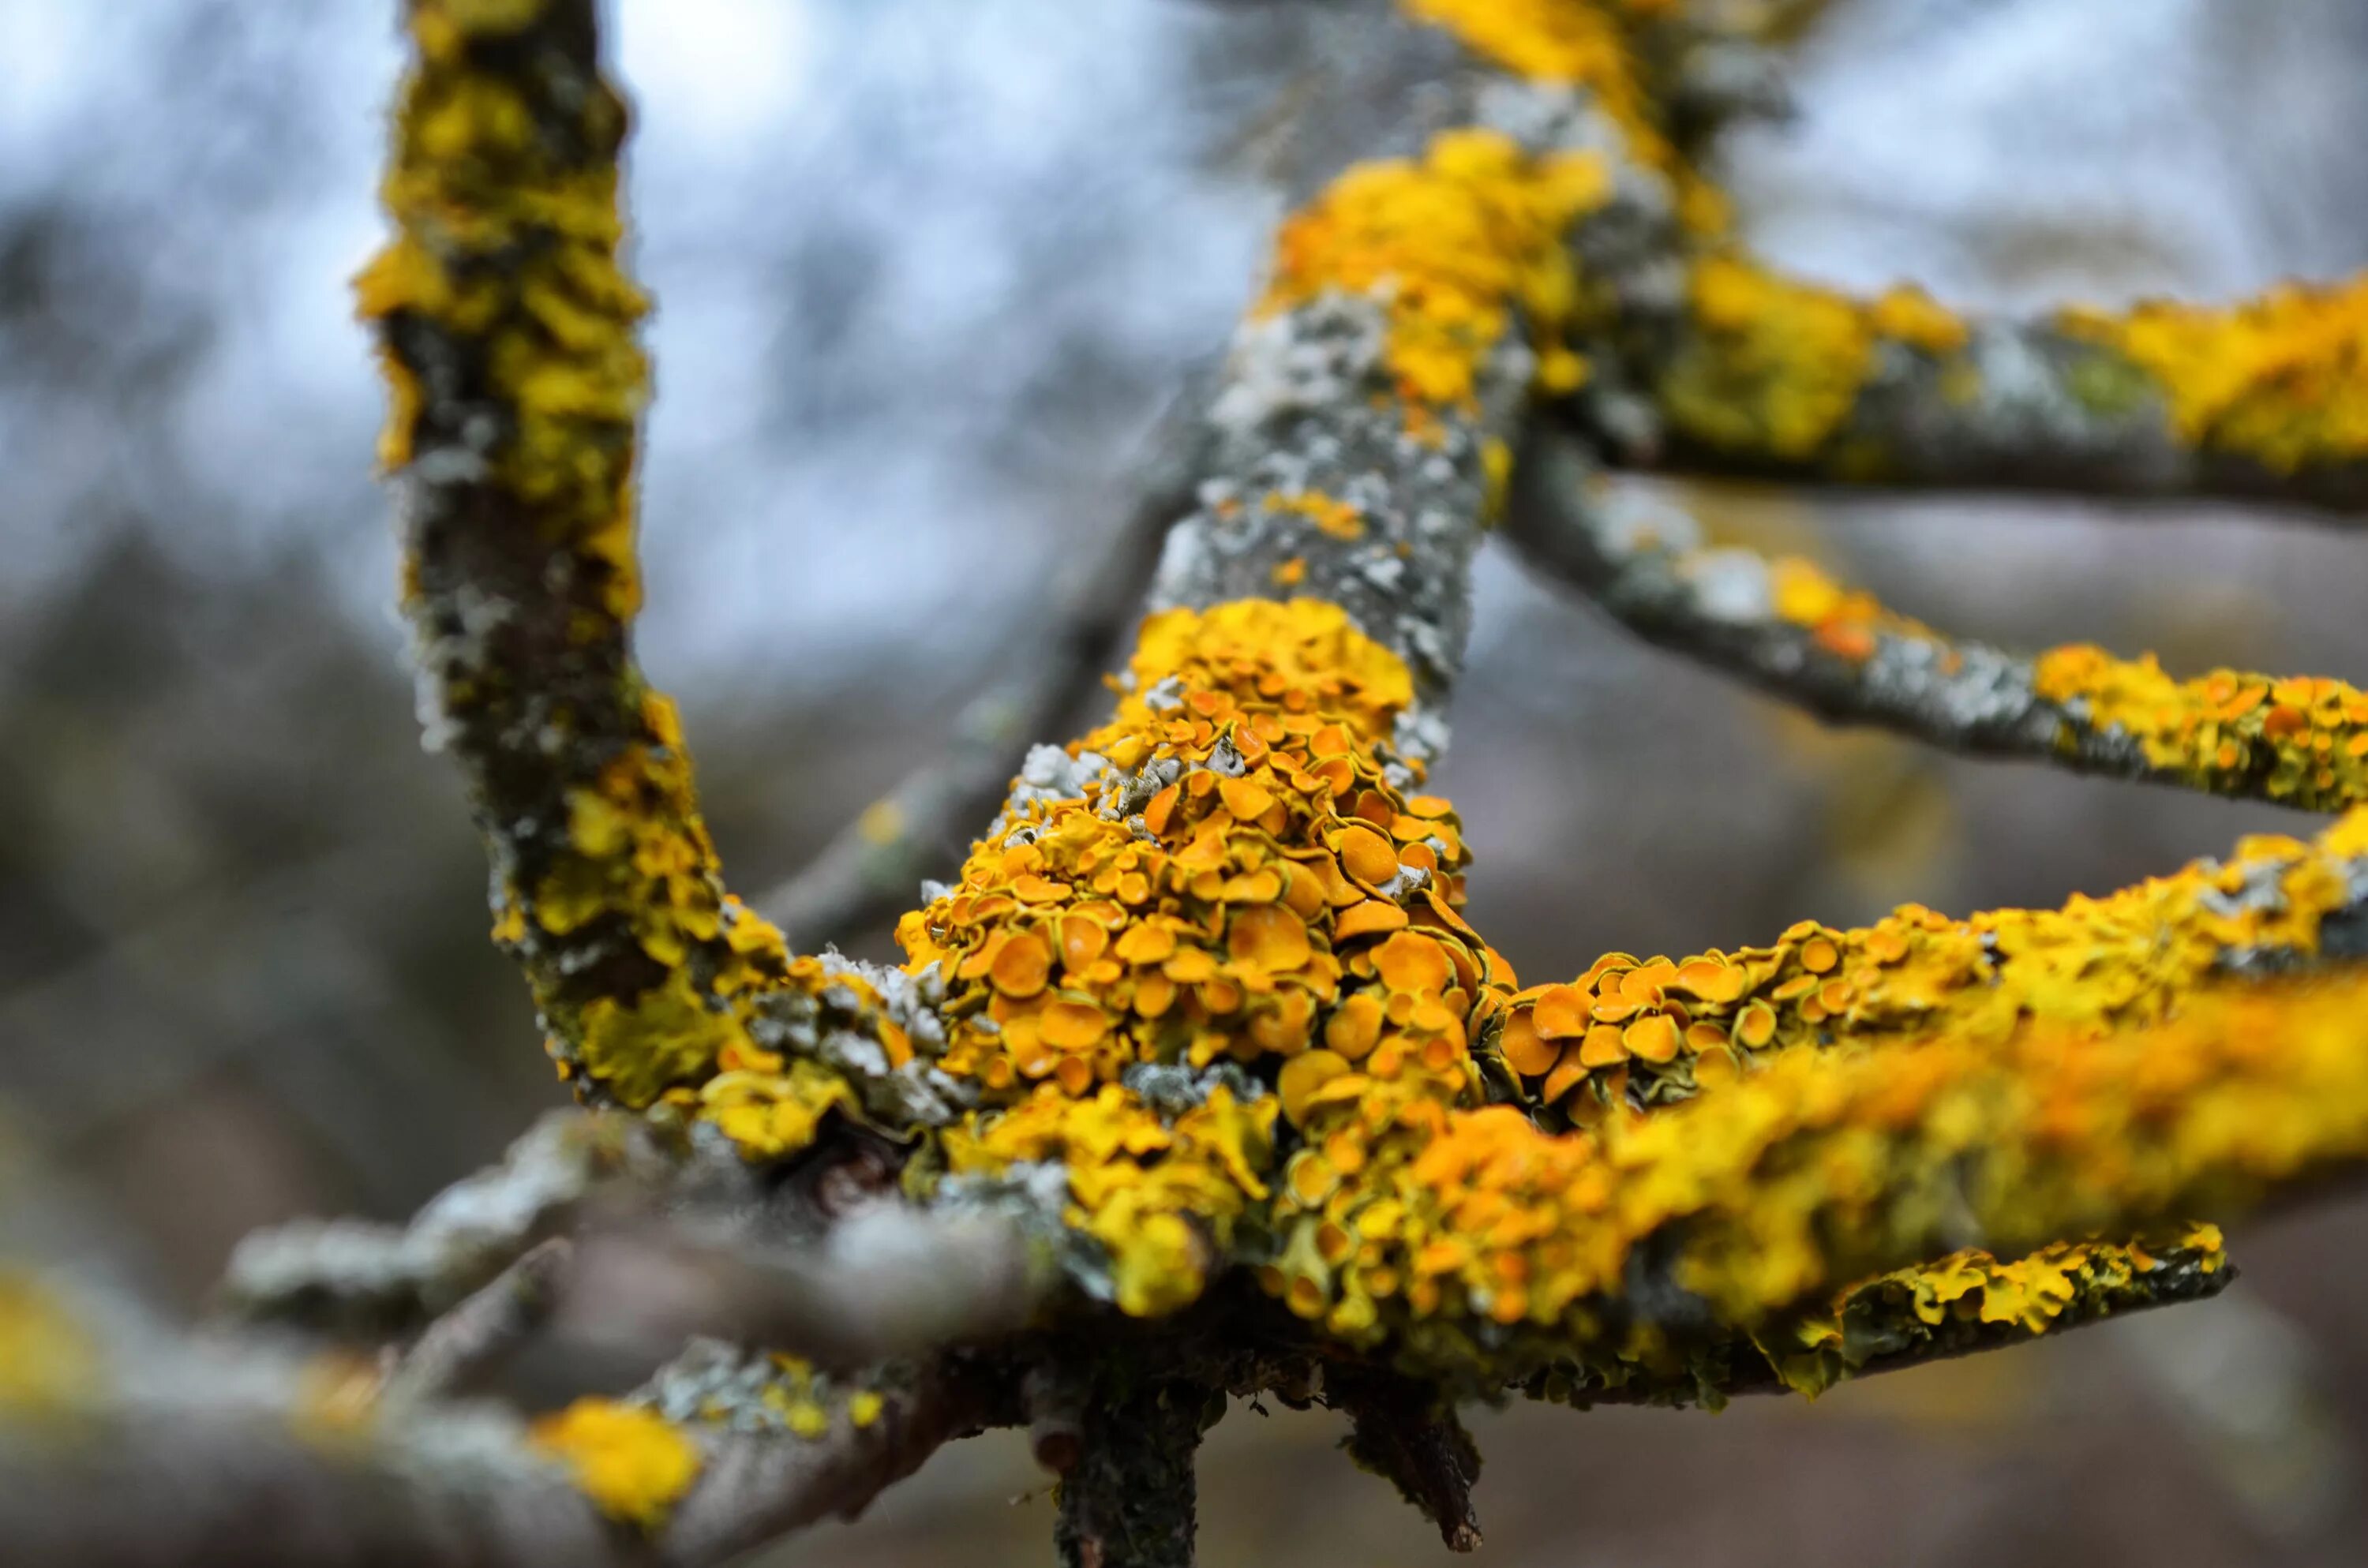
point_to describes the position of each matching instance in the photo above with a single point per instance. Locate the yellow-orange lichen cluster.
(2281, 379)
(1456, 241)
(1820, 1169)
(631, 1461)
(1974, 1298)
(1632, 1032)
(1803, 1182)
(1775, 365)
(1275, 900)
(1162, 1197)
(2302, 740)
(1846, 622)
(1216, 916)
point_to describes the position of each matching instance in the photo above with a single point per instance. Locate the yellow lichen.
(48, 1362)
(505, 275)
(509, 245)
(633, 1463)
(1162, 1199)
(1806, 1173)
(1972, 1298)
(1455, 243)
(1808, 1177)
(1584, 43)
(2302, 740)
(2281, 379)
(1774, 365)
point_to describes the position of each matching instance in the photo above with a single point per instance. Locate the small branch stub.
(1129, 1499)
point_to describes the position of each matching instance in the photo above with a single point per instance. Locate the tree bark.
(1129, 1501)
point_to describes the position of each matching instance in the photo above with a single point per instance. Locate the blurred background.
(926, 269)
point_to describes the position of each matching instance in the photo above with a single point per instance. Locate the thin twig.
(920, 827)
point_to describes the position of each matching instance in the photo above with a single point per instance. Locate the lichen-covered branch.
(1751, 371)
(508, 331)
(1632, 1032)
(246, 1457)
(1790, 629)
(1829, 1167)
(1199, 1027)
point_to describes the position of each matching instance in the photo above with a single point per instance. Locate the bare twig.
(352, 1276)
(460, 1350)
(886, 1281)
(1405, 1433)
(920, 827)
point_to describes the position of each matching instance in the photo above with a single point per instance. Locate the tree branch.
(506, 329)
(1752, 372)
(1129, 1501)
(1645, 1033)
(1788, 630)
(248, 1458)
(353, 1277)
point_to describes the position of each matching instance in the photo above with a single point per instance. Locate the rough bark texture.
(1129, 1501)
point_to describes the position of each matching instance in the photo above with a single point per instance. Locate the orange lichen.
(2096, 964)
(1331, 516)
(2281, 379)
(631, 1462)
(1455, 243)
(2300, 739)
(1813, 1177)
(1277, 890)
(1263, 878)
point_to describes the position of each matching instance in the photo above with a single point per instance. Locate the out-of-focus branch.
(920, 827)
(465, 1346)
(1791, 632)
(1749, 372)
(703, 1243)
(357, 1276)
(884, 1282)
(247, 1457)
